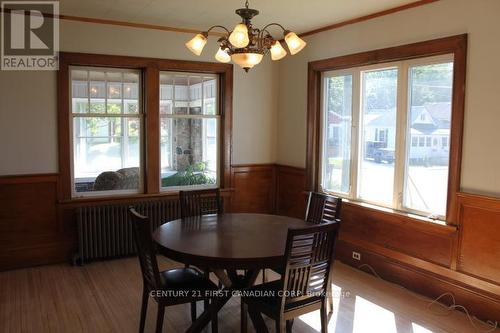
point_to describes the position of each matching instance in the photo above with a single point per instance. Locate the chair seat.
(186, 279)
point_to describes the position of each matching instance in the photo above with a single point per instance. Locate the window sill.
(225, 192)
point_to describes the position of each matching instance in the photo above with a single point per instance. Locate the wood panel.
(30, 233)
(291, 198)
(424, 240)
(253, 188)
(484, 303)
(479, 249)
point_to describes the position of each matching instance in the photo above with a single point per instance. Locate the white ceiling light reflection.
(369, 317)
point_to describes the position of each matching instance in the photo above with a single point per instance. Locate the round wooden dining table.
(227, 244)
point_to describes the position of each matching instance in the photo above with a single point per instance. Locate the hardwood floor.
(105, 297)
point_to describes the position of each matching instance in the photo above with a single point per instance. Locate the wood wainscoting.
(30, 232)
(291, 198)
(253, 188)
(37, 228)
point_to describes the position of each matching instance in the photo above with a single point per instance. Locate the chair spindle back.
(146, 249)
(200, 202)
(309, 254)
(322, 208)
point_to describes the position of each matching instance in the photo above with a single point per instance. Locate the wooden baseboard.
(482, 303)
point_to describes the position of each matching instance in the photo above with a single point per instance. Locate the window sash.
(403, 108)
(122, 115)
(217, 116)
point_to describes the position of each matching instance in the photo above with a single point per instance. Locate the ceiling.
(297, 15)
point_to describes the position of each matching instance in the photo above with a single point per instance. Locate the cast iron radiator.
(105, 232)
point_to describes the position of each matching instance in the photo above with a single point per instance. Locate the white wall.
(478, 18)
(28, 142)
(28, 126)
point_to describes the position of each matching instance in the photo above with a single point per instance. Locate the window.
(414, 141)
(444, 141)
(400, 109)
(403, 110)
(138, 127)
(189, 120)
(107, 127)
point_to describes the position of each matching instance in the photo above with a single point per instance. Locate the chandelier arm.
(269, 25)
(217, 26)
(261, 37)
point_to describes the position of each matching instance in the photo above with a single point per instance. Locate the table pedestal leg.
(232, 281)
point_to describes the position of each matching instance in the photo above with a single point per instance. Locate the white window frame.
(217, 116)
(403, 134)
(139, 115)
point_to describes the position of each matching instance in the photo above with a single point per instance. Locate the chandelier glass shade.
(247, 45)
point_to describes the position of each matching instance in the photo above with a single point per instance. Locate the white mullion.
(124, 126)
(355, 132)
(188, 94)
(202, 95)
(360, 134)
(88, 91)
(203, 122)
(400, 146)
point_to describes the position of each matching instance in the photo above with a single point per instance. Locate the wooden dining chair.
(322, 208)
(303, 286)
(169, 287)
(200, 202)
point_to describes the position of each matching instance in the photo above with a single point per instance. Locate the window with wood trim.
(190, 122)
(123, 129)
(106, 124)
(379, 126)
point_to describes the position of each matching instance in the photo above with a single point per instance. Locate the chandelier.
(246, 45)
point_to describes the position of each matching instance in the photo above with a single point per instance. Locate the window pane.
(106, 153)
(379, 99)
(426, 178)
(188, 94)
(166, 93)
(337, 120)
(131, 92)
(188, 152)
(166, 146)
(210, 95)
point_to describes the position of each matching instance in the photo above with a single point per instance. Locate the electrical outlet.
(356, 255)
